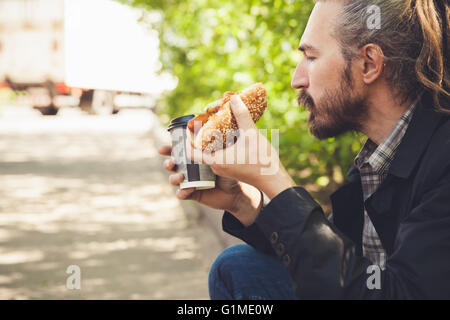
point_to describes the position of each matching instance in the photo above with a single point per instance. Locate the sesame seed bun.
(221, 125)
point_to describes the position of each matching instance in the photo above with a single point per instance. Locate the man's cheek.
(326, 72)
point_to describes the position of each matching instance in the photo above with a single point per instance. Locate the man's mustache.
(305, 100)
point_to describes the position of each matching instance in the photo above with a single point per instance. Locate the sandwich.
(211, 129)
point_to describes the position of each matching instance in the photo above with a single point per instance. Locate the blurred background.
(87, 88)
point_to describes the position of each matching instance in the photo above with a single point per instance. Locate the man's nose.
(300, 78)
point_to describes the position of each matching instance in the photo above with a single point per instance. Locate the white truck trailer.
(31, 50)
(90, 53)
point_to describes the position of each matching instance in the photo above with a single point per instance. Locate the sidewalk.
(91, 191)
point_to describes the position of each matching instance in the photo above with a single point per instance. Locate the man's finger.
(176, 179)
(184, 194)
(241, 113)
(169, 165)
(165, 150)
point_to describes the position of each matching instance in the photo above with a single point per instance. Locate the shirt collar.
(379, 157)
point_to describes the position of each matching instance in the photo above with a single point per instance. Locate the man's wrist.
(275, 185)
(250, 203)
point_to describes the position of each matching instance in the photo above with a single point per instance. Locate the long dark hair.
(414, 38)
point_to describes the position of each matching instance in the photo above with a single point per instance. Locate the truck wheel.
(86, 101)
(103, 102)
(47, 110)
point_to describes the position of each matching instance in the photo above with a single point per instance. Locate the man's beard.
(335, 113)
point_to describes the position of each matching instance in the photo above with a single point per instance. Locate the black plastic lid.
(180, 121)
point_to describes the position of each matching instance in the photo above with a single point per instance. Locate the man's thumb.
(241, 113)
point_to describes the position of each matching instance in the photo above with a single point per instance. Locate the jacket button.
(286, 260)
(280, 249)
(274, 237)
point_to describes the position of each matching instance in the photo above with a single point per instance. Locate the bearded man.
(389, 233)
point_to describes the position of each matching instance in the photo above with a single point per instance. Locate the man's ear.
(373, 62)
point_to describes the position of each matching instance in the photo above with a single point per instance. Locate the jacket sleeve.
(322, 261)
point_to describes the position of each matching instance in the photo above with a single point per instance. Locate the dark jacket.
(410, 212)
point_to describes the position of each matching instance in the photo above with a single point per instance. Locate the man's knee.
(228, 265)
(242, 272)
(230, 259)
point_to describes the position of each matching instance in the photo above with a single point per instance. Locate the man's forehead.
(320, 23)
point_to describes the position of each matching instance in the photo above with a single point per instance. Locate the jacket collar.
(383, 210)
(347, 201)
(419, 132)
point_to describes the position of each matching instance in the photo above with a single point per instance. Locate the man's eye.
(310, 58)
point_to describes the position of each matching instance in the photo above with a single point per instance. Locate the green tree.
(213, 46)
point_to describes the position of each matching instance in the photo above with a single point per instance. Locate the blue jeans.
(242, 273)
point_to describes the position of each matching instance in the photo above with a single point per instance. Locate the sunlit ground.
(90, 191)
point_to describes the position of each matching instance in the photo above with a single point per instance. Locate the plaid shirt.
(373, 163)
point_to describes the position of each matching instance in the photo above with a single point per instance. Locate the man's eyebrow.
(304, 47)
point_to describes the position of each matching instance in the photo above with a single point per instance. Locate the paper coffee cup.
(196, 174)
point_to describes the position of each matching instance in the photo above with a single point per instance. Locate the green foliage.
(213, 46)
(6, 96)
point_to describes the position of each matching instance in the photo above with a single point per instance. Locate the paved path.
(90, 191)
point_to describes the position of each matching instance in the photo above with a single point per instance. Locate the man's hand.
(240, 199)
(252, 159)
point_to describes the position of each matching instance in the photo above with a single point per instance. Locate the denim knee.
(230, 257)
(242, 272)
(228, 262)
(225, 263)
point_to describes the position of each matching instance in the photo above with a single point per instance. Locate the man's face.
(330, 91)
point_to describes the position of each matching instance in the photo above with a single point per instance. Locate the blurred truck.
(31, 51)
(45, 53)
